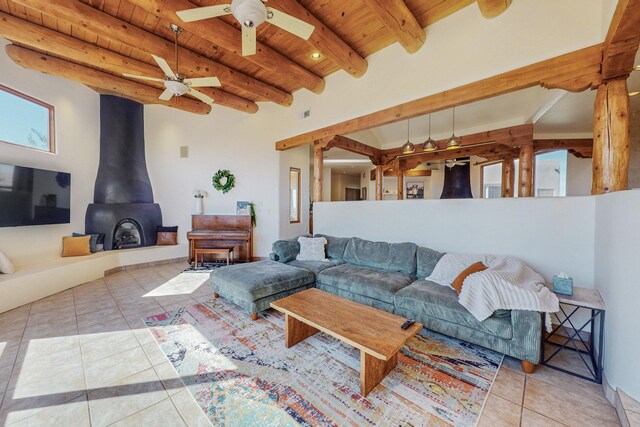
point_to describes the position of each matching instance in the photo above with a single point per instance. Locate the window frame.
(52, 130)
(298, 171)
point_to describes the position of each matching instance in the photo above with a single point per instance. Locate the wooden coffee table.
(374, 332)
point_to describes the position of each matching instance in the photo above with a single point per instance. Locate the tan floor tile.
(46, 357)
(163, 413)
(144, 336)
(509, 384)
(533, 419)
(73, 413)
(115, 323)
(628, 402)
(154, 353)
(189, 409)
(125, 398)
(633, 418)
(569, 383)
(567, 407)
(499, 412)
(109, 370)
(107, 344)
(169, 377)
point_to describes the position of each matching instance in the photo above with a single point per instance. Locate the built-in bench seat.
(38, 280)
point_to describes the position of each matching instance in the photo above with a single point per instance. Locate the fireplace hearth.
(123, 207)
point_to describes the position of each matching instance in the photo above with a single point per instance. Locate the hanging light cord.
(453, 126)
(429, 126)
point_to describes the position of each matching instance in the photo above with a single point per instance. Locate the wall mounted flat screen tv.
(31, 196)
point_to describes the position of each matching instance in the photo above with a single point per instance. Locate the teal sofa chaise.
(388, 276)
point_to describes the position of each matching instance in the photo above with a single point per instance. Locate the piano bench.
(202, 251)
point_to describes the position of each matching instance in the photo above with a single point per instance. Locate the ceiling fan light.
(408, 148)
(454, 143)
(250, 12)
(429, 145)
(176, 87)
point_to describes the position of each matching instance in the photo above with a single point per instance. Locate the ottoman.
(253, 286)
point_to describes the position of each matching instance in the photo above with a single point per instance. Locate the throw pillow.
(451, 265)
(93, 243)
(6, 266)
(459, 281)
(76, 246)
(167, 236)
(311, 249)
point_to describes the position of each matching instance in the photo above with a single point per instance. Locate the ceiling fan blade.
(165, 67)
(248, 41)
(207, 12)
(201, 96)
(166, 95)
(203, 82)
(152, 79)
(288, 23)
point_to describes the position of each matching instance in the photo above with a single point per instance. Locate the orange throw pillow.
(76, 246)
(473, 268)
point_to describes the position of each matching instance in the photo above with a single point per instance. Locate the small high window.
(26, 121)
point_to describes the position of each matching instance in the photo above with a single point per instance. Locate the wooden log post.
(318, 165)
(611, 138)
(379, 181)
(508, 177)
(400, 175)
(525, 175)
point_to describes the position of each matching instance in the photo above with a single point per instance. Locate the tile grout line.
(524, 390)
(84, 375)
(13, 367)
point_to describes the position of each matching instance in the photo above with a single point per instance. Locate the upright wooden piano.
(222, 231)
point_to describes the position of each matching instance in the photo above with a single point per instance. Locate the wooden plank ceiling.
(358, 25)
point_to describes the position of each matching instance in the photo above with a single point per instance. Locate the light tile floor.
(84, 357)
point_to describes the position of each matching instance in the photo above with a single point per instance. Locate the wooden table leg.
(296, 331)
(373, 370)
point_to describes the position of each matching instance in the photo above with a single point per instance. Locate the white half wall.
(617, 276)
(551, 234)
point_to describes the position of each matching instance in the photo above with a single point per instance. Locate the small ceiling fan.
(455, 162)
(174, 83)
(250, 14)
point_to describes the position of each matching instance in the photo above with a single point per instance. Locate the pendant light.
(429, 144)
(408, 147)
(454, 142)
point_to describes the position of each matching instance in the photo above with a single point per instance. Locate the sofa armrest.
(527, 335)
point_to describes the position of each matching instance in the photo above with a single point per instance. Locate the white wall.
(77, 140)
(551, 234)
(225, 139)
(578, 176)
(617, 276)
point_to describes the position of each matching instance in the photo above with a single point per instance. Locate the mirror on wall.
(294, 195)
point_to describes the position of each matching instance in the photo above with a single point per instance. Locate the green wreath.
(229, 183)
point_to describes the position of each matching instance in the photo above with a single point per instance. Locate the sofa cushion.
(285, 250)
(392, 257)
(255, 280)
(315, 266)
(335, 246)
(426, 260)
(369, 282)
(440, 302)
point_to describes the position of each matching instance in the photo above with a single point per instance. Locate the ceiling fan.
(174, 83)
(455, 162)
(250, 14)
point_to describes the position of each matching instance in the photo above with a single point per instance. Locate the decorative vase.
(199, 206)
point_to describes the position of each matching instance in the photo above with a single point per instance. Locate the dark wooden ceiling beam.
(353, 146)
(492, 8)
(398, 19)
(103, 82)
(623, 39)
(226, 36)
(83, 16)
(327, 42)
(511, 136)
(540, 73)
(547, 145)
(26, 33)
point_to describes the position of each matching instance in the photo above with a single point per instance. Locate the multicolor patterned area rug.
(241, 374)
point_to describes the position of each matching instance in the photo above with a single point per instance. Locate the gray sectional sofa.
(388, 276)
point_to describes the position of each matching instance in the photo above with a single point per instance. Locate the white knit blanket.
(509, 284)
